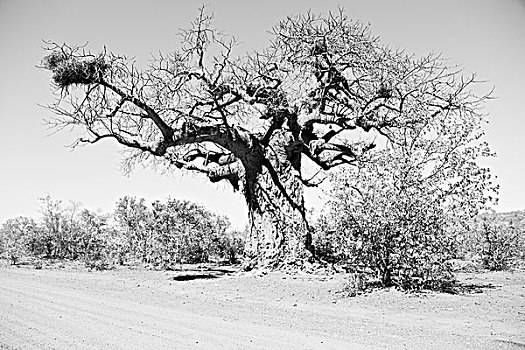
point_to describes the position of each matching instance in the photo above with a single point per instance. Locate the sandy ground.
(141, 309)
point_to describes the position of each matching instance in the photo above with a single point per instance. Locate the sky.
(482, 36)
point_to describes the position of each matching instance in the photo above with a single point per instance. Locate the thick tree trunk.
(279, 233)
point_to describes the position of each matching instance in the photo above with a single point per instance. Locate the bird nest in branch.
(70, 70)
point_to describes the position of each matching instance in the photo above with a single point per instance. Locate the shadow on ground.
(518, 345)
(472, 288)
(208, 273)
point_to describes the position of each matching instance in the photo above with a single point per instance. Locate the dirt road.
(132, 309)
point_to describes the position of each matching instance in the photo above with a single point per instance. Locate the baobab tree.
(324, 92)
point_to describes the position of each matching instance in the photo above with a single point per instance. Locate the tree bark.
(279, 233)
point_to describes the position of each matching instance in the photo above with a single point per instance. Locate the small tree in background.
(60, 229)
(97, 242)
(185, 231)
(175, 231)
(497, 240)
(134, 219)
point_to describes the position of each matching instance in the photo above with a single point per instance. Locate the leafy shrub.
(59, 232)
(175, 231)
(228, 247)
(400, 211)
(331, 244)
(134, 220)
(494, 241)
(498, 242)
(16, 236)
(355, 284)
(68, 232)
(184, 231)
(399, 218)
(402, 239)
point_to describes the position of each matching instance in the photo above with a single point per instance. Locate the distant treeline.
(160, 235)
(408, 248)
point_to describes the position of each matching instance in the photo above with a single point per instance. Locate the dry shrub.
(355, 284)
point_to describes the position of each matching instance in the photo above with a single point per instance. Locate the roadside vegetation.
(419, 250)
(405, 242)
(159, 236)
